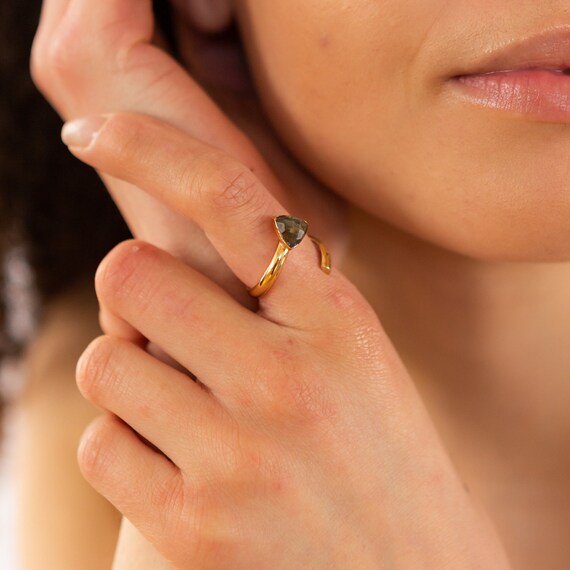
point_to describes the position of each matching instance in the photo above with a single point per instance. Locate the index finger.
(225, 198)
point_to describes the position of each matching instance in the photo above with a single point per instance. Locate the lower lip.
(541, 94)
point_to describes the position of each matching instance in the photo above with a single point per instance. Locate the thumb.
(124, 71)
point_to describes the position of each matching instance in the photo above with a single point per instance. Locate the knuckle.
(124, 133)
(352, 314)
(65, 57)
(345, 299)
(297, 392)
(227, 185)
(96, 369)
(60, 55)
(308, 400)
(95, 453)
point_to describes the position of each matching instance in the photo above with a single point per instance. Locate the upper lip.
(547, 50)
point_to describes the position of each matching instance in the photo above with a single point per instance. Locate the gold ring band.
(290, 231)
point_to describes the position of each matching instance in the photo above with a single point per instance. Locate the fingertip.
(81, 133)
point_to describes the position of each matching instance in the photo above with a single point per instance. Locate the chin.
(496, 191)
(492, 237)
(513, 223)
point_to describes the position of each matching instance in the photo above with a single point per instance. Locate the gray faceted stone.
(292, 229)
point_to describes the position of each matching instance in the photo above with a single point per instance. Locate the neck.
(486, 343)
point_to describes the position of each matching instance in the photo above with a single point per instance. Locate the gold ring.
(290, 231)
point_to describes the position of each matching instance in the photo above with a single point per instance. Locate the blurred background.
(56, 223)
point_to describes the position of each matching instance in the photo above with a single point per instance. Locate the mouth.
(529, 78)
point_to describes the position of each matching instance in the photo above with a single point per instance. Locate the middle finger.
(190, 317)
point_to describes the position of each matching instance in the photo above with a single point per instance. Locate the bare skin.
(520, 474)
(69, 526)
(483, 339)
(499, 394)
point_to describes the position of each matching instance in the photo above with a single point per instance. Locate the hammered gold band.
(290, 231)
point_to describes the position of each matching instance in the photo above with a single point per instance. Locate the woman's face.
(361, 92)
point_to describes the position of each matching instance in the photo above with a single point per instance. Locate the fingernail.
(80, 133)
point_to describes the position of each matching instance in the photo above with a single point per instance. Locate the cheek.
(331, 73)
(355, 89)
(337, 81)
(484, 185)
(315, 58)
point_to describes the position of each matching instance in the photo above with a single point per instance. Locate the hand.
(125, 70)
(303, 443)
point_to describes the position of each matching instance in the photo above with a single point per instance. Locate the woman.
(391, 402)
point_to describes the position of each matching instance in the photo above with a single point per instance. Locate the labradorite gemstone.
(292, 229)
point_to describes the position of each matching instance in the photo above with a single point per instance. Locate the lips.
(530, 77)
(549, 50)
